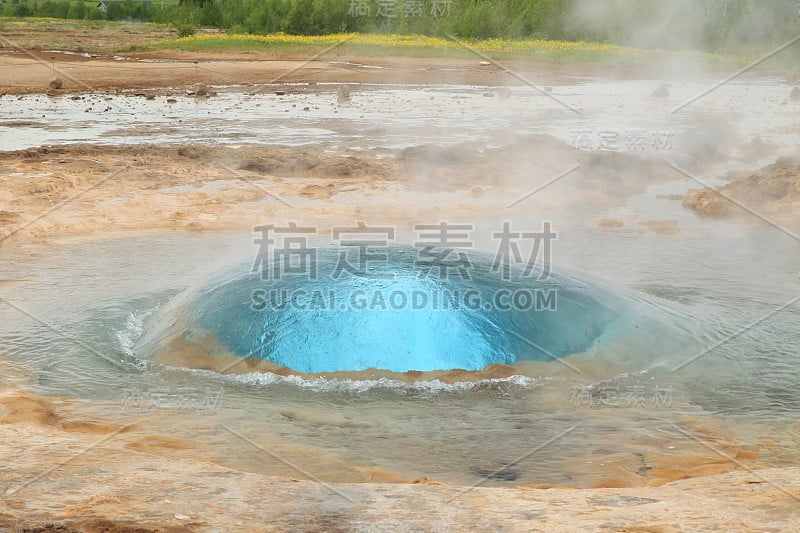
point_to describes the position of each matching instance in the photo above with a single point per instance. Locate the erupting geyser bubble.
(401, 317)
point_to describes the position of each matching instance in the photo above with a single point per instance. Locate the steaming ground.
(144, 189)
(153, 188)
(134, 211)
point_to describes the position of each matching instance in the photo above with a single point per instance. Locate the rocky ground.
(773, 191)
(64, 470)
(169, 484)
(104, 190)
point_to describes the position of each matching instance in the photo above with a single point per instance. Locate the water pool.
(616, 409)
(685, 346)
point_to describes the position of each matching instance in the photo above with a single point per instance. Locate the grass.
(72, 25)
(111, 36)
(88, 35)
(427, 46)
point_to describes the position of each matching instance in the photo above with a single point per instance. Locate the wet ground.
(142, 198)
(750, 120)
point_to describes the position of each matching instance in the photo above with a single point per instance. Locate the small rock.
(306, 108)
(497, 474)
(343, 93)
(795, 94)
(201, 89)
(172, 101)
(280, 93)
(485, 63)
(615, 500)
(661, 92)
(55, 84)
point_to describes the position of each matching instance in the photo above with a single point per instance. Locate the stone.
(199, 89)
(343, 93)
(494, 473)
(661, 92)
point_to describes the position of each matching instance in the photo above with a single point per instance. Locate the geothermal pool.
(405, 312)
(608, 400)
(653, 335)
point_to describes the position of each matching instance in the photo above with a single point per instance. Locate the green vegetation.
(720, 26)
(377, 45)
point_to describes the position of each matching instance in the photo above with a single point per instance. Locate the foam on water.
(322, 384)
(133, 329)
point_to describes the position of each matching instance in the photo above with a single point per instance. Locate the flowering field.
(381, 44)
(392, 41)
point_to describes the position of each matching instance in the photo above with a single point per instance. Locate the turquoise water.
(400, 316)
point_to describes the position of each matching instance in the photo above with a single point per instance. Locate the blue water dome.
(324, 315)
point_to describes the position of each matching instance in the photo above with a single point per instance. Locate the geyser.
(402, 316)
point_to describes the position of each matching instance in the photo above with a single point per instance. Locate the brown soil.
(662, 227)
(79, 37)
(31, 56)
(31, 71)
(772, 191)
(91, 190)
(135, 483)
(117, 188)
(609, 223)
